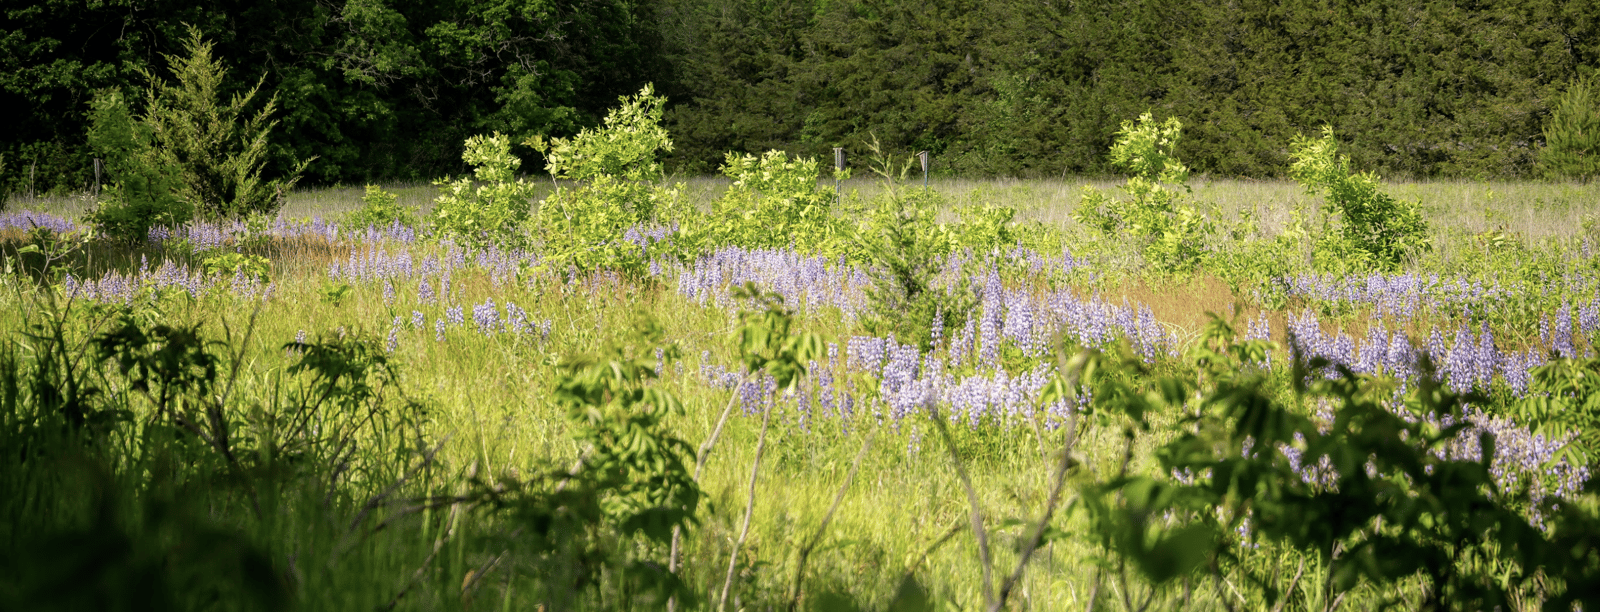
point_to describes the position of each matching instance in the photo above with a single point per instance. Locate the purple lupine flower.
(424, 291)
(486, 317)
(417, 319)
(393, 341)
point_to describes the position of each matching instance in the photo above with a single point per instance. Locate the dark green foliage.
(1565, 401)
(1572, 134)
(1367, 498)
(218, 153)
(595, 527)
(1022, 88)
(144, 186)
(387, 88)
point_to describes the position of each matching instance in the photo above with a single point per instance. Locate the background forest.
(388, 89)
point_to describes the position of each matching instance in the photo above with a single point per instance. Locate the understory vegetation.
(620, 392)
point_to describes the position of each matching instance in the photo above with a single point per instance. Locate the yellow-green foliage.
(379, 208)
(1156, 213)
(492, 210)
(616, 171)
(1373, 229)
(774, 202)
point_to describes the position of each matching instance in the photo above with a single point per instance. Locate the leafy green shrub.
(144, 187)
(617, 173)
(774, 202)
(219, 154)
(1168, 230)
(1364, 498)
(600, 525)
(492, 211)
(1572, 134)
(1564, 401)
(232, 263)
(1375, 230)
(901, 239)
(1252, 260)
(380, 208)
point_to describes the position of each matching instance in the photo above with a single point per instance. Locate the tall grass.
(139, 515)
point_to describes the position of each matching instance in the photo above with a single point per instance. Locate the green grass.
(489, 400)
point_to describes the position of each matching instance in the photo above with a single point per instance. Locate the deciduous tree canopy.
(389, 88)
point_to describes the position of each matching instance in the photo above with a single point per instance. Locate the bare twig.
(1094, 589)
(701, 456)
(805, 551)
(750, 507)
(1292, 584)
(469, 586)
(1044, 520)
(1222, 596)
(699, 464)
(377, 500)
(972, 500)
(949, 533)
(422, 570)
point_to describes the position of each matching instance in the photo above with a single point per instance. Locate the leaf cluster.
(617, 173)
(1374, 230)
(1167, 229)
(1368, 498)
(774, 202)
(492, 210)
(380, 208)
(631, 485)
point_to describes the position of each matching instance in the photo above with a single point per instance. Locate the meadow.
(966, 396)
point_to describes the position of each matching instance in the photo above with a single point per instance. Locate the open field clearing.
(605, 389)
(410, 493)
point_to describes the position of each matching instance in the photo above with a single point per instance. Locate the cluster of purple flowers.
(209, 235)
(1404, 296)
(26, 220)
(374, 264)
(805, 282)
(1470, 359)
(124, 288)
(487, 320)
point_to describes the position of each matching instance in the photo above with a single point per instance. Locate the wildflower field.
(771, 391)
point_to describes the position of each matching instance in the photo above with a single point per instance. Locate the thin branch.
(377, 500)
(750, 507)
(805, 551)
(1094, 589)
(1044, 520)
(416, 577)
(972, 500)
(1292, 584)
(469, 587)
(701, 456)
(949, 533)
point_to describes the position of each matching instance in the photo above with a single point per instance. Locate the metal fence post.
(924, 157)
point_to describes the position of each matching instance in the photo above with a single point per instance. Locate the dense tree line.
(390, 88)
